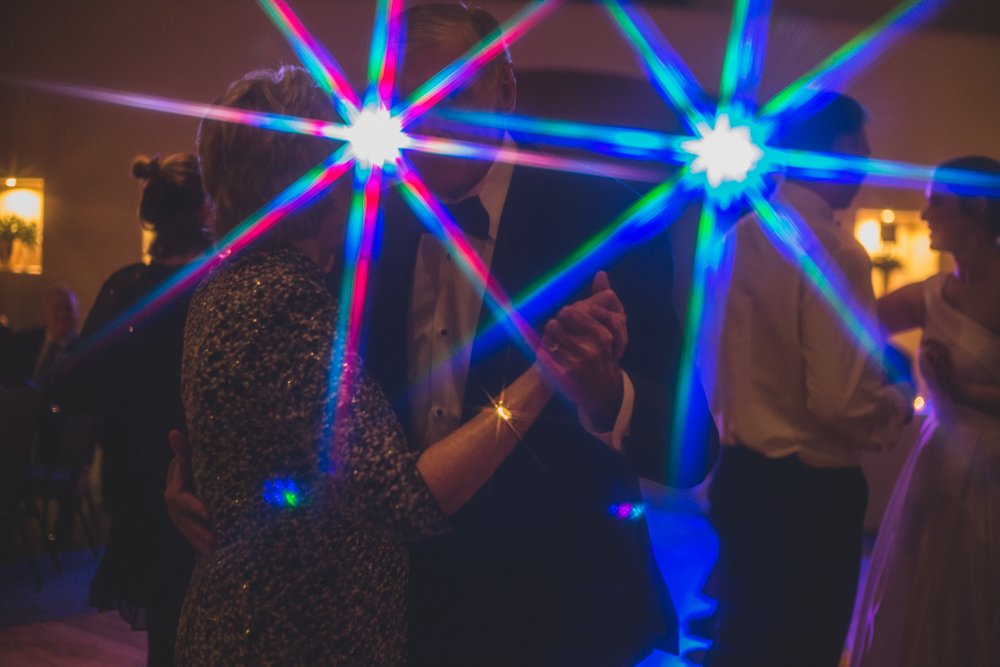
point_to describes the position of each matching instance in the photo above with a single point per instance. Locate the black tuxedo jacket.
(539, 571)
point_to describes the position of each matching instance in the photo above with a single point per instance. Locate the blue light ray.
(687, 446)
(314, 183)
(672, 78)
(314, 57)
(603, 139)
(461, 72)
(744, 58)
(535, 159)
(830, 166)
(848, 60)
(384, 54)
(440, 222)
(796, 242)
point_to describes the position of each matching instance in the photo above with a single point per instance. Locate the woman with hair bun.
(933, 591)
(133, 385)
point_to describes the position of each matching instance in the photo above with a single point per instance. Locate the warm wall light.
(25, 199)
(900, 235)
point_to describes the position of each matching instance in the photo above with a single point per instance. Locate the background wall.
(931, 97)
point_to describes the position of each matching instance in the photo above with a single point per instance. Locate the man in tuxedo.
(797, 399)
(546, 565)
(540, 569)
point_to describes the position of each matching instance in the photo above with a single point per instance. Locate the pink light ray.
(267, 121)
(382, 71)
(426, 205)
(360, 264)
(320, 63)
(458, 73)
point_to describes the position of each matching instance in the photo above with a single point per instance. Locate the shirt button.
(443, 331)
(438, 412)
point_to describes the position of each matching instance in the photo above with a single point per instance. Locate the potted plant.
(15, 228)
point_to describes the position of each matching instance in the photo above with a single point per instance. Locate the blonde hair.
(245, 167)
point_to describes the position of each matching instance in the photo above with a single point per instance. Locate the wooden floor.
(55, 627)
(81, 641)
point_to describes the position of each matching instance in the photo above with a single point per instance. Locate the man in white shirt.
(796, 399)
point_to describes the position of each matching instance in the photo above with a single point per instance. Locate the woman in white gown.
(932, 597)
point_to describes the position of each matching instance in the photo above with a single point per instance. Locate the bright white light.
(503, 412)
(376, 137)
(724, 153)
(24, 203)
(11, 182)
(869, 234)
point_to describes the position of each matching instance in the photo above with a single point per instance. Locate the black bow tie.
(471, 216)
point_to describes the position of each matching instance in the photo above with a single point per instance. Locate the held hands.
(580, 350)
(188, 514)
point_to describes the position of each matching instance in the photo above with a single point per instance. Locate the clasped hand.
(580, 350)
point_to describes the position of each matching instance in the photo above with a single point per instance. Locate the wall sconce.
(22, 225)
(899, 246)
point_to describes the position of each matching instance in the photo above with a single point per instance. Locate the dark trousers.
(789, 555)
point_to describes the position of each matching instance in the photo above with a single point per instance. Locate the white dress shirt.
(789, 378)
(445, 307)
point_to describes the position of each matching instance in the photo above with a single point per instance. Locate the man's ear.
(508, 89)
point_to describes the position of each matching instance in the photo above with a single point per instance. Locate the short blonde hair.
(244, 167)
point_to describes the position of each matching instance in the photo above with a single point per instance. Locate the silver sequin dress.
(310, 566)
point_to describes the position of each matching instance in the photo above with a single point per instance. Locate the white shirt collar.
(492, 189)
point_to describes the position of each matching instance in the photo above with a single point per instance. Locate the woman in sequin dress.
(932, 594)
(312, 498)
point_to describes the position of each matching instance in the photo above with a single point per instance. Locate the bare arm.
(455, 467)
(902, 309)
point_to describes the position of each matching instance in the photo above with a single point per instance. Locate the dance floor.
(56, 628)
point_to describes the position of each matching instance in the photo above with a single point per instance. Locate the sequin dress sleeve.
(309, 565)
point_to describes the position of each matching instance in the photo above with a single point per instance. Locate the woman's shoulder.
(267, 288)
(126, 277)
(266, 275)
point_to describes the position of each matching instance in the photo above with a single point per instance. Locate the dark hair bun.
(146, 167)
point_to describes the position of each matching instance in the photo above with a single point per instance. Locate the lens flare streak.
(837, 69)
(792, 237)
(686, 452)
(314, 57)
(440, 223)
(384, 55)
(311, 185)
(460, 72)
(668, 71)
(744, 57)
(602, 139)
(527, 158)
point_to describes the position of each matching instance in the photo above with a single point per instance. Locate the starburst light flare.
(724, 153)
(377, 155)
(376, 137)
